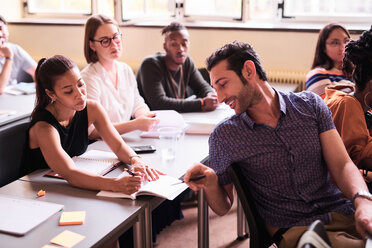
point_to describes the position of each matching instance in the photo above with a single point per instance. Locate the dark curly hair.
(357, 61)
(174, 26)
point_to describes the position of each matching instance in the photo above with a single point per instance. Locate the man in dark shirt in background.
(169, 81)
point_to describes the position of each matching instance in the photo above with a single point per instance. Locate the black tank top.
(74, 139)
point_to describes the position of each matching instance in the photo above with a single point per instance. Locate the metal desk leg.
(148, 227)
(139, 231)
(203, 217)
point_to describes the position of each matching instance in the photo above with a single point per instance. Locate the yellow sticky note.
(72, 218)
(67, 239)
(41, 193)
(49, 246)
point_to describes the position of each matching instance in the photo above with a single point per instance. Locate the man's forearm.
(5, 74)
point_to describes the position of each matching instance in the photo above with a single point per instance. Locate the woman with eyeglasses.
(113, 84)
(110, 82)
(327, 64)
(350, 112)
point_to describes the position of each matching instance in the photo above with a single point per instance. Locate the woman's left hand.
(147, 172)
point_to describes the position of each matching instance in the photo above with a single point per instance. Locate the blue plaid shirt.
(284, 165)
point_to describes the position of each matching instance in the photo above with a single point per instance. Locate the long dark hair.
(321, 58)
(358, 60)
(47, 71)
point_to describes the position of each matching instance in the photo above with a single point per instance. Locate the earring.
(52, 100)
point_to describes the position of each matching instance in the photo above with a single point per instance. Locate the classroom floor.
(184, 233)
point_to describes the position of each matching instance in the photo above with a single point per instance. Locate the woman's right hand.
(129, 184)
(146, 122)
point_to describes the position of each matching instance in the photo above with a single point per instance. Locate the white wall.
(278, 49)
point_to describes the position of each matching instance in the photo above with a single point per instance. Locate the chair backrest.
(12, 140)
(258, 234)
(204, 72)
(314, 237)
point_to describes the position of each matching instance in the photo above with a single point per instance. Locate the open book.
(94, 161)
(167, 118)
(165, 187)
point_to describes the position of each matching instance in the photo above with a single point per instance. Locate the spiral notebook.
(96, 162)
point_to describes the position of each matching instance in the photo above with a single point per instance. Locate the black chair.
(204, 72)
(314, 237)
(12, 140)
(258, 235)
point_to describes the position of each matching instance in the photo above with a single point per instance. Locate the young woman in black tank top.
(59, 130)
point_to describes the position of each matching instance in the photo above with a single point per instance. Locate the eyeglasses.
(106, 42)
(338, 43)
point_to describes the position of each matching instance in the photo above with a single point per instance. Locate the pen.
(130, 172)
(193, 179)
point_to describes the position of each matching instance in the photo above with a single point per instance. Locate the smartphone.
(144, 149)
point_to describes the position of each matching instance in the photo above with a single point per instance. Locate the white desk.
(193, 149)
(22, 105)
(106, 219)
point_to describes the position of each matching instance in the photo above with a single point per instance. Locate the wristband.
(202, 101)
(131, 157)
(364, 194)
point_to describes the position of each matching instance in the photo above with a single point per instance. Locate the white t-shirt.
(120, 103)
(22, 61)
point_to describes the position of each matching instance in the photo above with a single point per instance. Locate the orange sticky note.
(72, 218)
(41, 193)
(67, 239)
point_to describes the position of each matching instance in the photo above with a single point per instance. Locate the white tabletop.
(21, 106)
(106, 218)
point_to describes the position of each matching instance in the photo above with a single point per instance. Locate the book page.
(97, 162)
(100, 155)
(165, 187)
(167, 118)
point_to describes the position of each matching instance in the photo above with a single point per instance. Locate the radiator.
(287, 76)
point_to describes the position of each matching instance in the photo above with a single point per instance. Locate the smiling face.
(335, 46)
(232, 89)
(113, 51)
(176, 46)
(69, 91)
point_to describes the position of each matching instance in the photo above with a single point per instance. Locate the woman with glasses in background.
(110, 82)
(327, 64)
